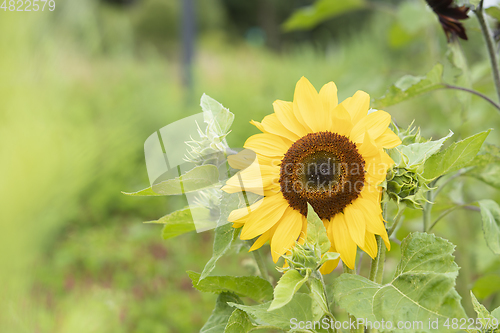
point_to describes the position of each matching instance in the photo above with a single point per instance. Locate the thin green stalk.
(426, 215)
(260, 264)
(397, 219)
(477, 93)
(490, 45)
(446, 182)
(377, 266)
(446, 212)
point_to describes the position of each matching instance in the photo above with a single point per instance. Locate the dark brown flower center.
(324, 169)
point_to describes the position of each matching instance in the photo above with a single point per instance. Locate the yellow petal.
(372, 193)
(258, 125)
(284, 112)
(329, 266)
(368, 149)
(266, 216)
(328, 96)
(242, 159)
(263, 239)
(254, 179)
(357, 105)
(268, 144)
(308, 107)
(376, 168)
(375, 124)
(370, 245)
(287, 233)
(341, 121)
(388, 139)
(271, 124)
(356, 224)
(343, 241)
(374, 221)
(241, 213)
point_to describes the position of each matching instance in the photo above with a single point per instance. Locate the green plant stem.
(381, 262)
(447, 181)
(260, 264)
(397, 219)
(475, 92)
(375, 262)
(426, 215)
(377, 266)
(490, 45)
(446, 212)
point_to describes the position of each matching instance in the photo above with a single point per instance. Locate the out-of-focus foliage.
(82, 87)
(309, 17)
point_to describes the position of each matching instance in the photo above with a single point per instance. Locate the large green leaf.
(487, 320)
(248, 286)
(318, 294)
(422, 288)
(224, 237)
(316, 232)
(455, 157)
(198, 178)
(220, 315)
(496, 313)
(490, 213)
(322, 10)
(239, 322)
(487, 164)
(301, 308)
(410, 86)
(493, 11)
(486, 285)
(288, 285)
(419, 152)
(180, 221)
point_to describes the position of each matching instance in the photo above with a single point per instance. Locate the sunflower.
(317, 151)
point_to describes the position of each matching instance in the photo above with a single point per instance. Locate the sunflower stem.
(490, 45)
(397, 219)
(381, 262)
(375, 261)
(260, 264)
(426, 214)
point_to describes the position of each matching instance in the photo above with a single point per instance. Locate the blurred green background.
(82, 87)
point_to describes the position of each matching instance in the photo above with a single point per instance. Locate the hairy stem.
(260, 264)
(490, 45)
(426, 215)
(375, 262)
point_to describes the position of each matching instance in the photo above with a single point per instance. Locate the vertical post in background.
(188, 27)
